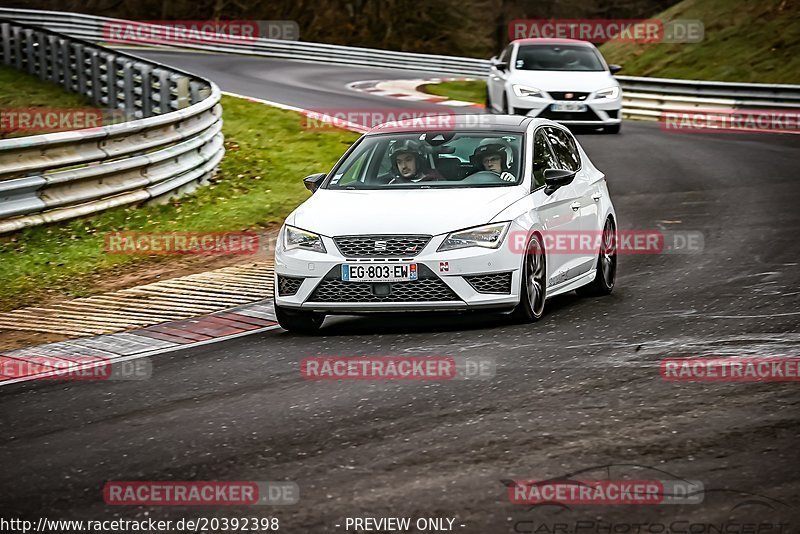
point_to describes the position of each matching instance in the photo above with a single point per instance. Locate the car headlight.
(489, 236)
(525, 91)
(609, 92)
(297, 238)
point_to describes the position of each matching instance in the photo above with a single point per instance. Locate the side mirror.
(614, 68)
(499, 65)
(555, 178)
(313, 182)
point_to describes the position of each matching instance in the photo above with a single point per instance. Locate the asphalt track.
(577, 390)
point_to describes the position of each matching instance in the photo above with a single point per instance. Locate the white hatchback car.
(411, 219)
(564, 80)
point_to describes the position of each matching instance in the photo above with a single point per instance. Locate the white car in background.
(411, 219)
(564, 80)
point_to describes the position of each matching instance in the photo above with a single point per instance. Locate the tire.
(506, 110)
(299, 321)
(606, 270)
(488, 102)
(533, 286)
(614, 129)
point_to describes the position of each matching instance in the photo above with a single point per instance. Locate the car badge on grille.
(412, 248)
(568, 96)
(380, 245)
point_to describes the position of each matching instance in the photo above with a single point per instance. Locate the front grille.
(288, 286)
(428, 287)
(417, 291)
(587, 115)
(381, 246)
(567, 95)
(491, 283)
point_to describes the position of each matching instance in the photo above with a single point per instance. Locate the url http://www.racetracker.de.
(197, 524)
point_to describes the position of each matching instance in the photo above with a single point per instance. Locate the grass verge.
(467, 91)
(745, 41)
(259, 183)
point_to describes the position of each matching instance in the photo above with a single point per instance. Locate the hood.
(578, 81)
(413, 211)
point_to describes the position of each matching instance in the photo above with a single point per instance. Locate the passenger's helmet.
(491, 147)
(408, 146)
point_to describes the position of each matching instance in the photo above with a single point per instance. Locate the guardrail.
(649, 98)
(95, 28)
(173, 142)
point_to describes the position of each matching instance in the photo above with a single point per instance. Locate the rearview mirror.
(313, 182)
(614, 68)
(555, 178)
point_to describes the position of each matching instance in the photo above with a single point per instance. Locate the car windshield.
(558, 57)
(431, 160)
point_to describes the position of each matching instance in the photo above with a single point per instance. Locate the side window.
(355, 171)
(505, 55)
(542, 157)
(565, 149)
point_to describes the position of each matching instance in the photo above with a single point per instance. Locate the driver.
(494, 155)
(409, 163)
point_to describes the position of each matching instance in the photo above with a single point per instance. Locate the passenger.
(409, 163)
(494, 155)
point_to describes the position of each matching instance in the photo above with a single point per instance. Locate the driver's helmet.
(408, 146)
(491, 147)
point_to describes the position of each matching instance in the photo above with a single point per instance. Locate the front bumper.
(444, 282)
(599, 112)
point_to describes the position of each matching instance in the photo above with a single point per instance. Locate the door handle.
(575, 206)
(597, 196)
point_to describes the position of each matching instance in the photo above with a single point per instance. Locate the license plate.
(568, 106)
(379, 272)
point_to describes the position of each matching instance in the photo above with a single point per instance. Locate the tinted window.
(542, 158)
(558, 57)
(565, 149)
(431, 160)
